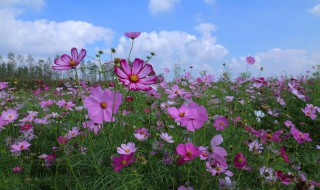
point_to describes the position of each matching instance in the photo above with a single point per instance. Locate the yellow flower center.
(72, 63)
(269, 136)
(127, 150)
(176, 92)
(189, 153)
(181, 114)
(300, 135)
(10, 116)
(218, 168)
(103, 105)
(240, 160)
(134, 78)
(221, 123)
(124, 162)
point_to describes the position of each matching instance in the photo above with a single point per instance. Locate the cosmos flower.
(65, 62)
(137, 77)
(166, 137)
(132, 35)
(127, 148)
(122, 160)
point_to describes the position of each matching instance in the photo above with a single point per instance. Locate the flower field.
(139, 131)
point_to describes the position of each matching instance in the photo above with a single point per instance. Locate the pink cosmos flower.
(284, 155)
(122, 160)
(3, 85)
(127, 148)
(220, 123)
(299, 136)
(195, 117)
(10, 115)
(184, 188)
(250, 60)
(188, 151)
(67, 105)
(178, 114)
(17, 169)
(166, 137)
(175, 91)
(218, 153)
(92, 126)
(132, 35)
(241, 162)
(73, 133)
(3, 122)
(205, 153)
(102, 105)
(217, 168)
(65, 62)
(24, 145)
(135, 78)
(285, 179)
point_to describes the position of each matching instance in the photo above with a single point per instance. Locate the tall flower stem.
(130, 50)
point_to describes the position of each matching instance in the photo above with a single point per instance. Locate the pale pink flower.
(16, 148)
(166, 137)
(127, 148)
(10, 115)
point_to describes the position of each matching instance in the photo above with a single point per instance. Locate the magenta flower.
(175, 91)
(284, 155)
(102, 105)
(17, 169)
(195, 117)
(178, 114)
(127, 148)
(220, 123)
(285, 179)
(24, 145)
(122, 160)
(132, 35)
(218, 153)
(241, 162)
(65, 62)
(299, 136)
(188, 151)
(10, 115)
(250, 60)
(3, 85)
(135, 78)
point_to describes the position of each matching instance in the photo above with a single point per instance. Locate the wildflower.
(241, 162)
(73, 133)
(188, 151)
(102, 105)
(127, 148)
(284, 155)
(255, 147)
(178, 114)
(65, 62)
(175, 91)
(217, 153)
(10, 115)
(184, 188)
(67, 105)
(3, 85)
(142, 134)
(16, 148)
(221, 123)
(17, 169)
(135, 78)
(166, 137)
(122, 160)
(250, 60)
(259, 114)
(267, 173)
(205, 153)
(226, 183)
(62, 140)
(194, 117)
(92, 126)
(299, 136)
(285, 179)
(132, 35)
(217, 168)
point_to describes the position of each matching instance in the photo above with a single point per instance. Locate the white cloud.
(44, 37)
(315, 10)
(177, 47)
(277, 61)
(157, 6)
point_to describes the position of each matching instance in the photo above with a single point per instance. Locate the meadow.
(139, 131)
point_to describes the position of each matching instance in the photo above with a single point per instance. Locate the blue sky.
(283, 35)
